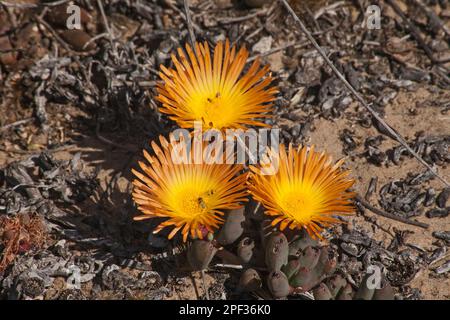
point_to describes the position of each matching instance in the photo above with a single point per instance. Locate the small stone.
(263, 45)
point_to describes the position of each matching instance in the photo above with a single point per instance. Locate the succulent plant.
(364, 292)
(278, 284)
(232, 228)
(245, 249)
(302, 241)
(315, 265)
(276, 251)
(335, 287)
(294, 267)
(384, 292)
(346, 293)
(298, 266)
(250, 281)
(338, 288)
(309, 257)
(313, 268)
(336, 284)
(200, 253)
(291, 268)
(321, 292)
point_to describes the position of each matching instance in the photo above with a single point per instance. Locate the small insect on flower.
(306, 191)
(192, 196)
(212, 90)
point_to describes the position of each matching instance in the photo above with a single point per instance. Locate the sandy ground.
(326, 137)
(409, 112)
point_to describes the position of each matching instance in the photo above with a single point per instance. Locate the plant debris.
(78, 105)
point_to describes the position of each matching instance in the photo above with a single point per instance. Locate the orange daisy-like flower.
(192, 196)
(306, 192)
(212, 90)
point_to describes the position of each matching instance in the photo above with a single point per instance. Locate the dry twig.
(391, 131)
(189, 23)
(382, 213)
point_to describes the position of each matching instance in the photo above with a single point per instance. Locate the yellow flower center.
(191, 198)
(217, 89)
(300, 202)
(214, 108)
(308, 191)
(191, 204)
